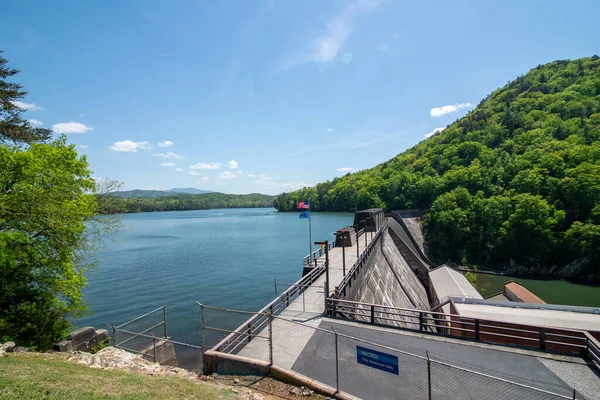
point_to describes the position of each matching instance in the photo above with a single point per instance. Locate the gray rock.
(21, 349)
(82, 334)
(295, 390)
(8, 347)
(66, 346)
(3, 353)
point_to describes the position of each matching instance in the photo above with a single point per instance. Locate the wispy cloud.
(202, 165)
(227, 175)
(239, 172)
(170, 155)
(384, 48)
(433, 132)
(251, 175)
(203, 179)
(35, 122)
(178, 170)
(325, 47)
(168, 164)
(83, 146)
(129, 146)
(166, 143)
(329, 129)
(26, 106)
(233, 164)
(71, 127)
(346, 169)
(193, 172)
(437, 112)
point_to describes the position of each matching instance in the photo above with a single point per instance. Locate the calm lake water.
(226, 258)
(551, 291)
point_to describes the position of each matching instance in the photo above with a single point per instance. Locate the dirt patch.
(269, 388)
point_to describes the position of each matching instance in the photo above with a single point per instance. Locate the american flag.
(303, 205)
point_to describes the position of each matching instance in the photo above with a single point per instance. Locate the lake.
(226, 258)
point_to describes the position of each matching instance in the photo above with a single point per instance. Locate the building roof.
(521, 293)
(448, 282)
(547, 315)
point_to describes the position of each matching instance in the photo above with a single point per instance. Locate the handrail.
(316, 254)
(341, 288)
(259, 319)
(571, 341)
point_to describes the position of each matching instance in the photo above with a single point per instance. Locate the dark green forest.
(113, 203)
(513, 186)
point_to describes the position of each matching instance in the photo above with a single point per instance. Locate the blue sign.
(377, 359)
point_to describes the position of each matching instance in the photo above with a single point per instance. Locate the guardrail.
(244, 333)
(360, 261)
(306, 260)
(552, 339)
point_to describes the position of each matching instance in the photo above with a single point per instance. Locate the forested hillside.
(514, 185)
(112, 203)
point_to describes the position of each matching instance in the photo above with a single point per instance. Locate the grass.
(36, 376)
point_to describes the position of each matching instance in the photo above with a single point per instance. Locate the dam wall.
(408, 251)
(388, 280)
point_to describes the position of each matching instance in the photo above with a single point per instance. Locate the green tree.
(14, 128)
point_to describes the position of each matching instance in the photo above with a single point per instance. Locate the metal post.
(275, 279)
(271, 338)
(344, 257)
(429, 375)
(310, 233)
(421, 321)
(337, 367)
(542, 338)
(114, 335)
(574, 394)
(365, 233)
(357, 251)
(477, 329)
(165, 319)
(303, 306)
(154, 344)
(202, 331)
(372, 314)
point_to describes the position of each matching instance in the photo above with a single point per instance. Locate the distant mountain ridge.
(150, 194)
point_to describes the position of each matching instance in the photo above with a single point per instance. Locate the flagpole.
(309, 234)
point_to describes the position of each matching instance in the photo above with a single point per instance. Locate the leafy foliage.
(13, 128)
(515, 183)
(114, 203)
(44, 206)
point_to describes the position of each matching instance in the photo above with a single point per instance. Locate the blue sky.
(270, 96)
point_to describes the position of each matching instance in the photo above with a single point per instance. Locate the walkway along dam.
(372, 318)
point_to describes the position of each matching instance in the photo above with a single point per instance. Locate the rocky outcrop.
(83, 339)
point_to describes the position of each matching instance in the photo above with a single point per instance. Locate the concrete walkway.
(290, 339)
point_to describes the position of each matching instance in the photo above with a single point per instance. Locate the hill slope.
(513, 186)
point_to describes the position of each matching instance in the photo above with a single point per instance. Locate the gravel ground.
(578, 376)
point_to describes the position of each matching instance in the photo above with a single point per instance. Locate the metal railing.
(593, 348)
(260, 319)
(314, 256)
(552, 339)
(360, 261)
(419, 374)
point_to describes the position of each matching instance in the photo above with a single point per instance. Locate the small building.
(514, 291)
(371, 220)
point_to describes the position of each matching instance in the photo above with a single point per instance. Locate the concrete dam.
(371, 318)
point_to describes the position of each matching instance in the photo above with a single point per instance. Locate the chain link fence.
(369, 370)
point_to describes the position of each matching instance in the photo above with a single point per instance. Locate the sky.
(269, 96)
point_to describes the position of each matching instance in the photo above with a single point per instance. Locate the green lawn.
(34, 376)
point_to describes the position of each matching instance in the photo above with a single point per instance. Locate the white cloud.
(166, 143)
(325, 47)
(83, 146)
(178, 170)
(71, 127)
(346, 169)
(26, 106)
(203, 179)
(329, 129)
(168, 164)
(202, 165)
(227, 175)
(194, 173)
(433, 132)
(233, 164)
(239, 172)
(251, 175)
(443, 110)
(35, 122)
(169, 154)
(384, 48)
(129, 146)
